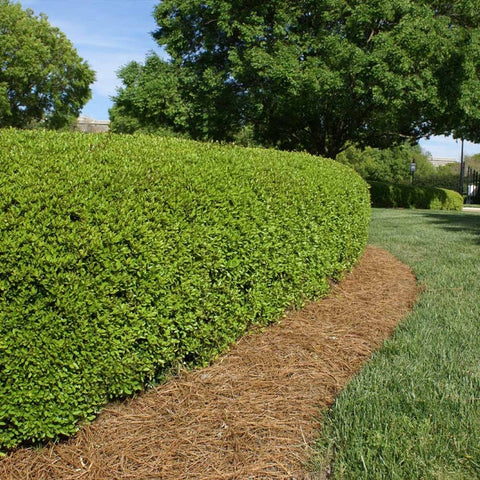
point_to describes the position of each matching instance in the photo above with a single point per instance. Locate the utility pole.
(462, 171)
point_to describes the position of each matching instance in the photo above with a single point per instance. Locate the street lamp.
(413, 167)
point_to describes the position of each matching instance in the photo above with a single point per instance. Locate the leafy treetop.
(315, 76)
(42, 77)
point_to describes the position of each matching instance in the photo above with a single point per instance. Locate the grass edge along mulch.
(254, 413)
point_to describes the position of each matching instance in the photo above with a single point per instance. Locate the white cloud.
(107, 37)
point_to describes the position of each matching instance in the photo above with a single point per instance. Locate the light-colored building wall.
(440, 162)
(89, 125)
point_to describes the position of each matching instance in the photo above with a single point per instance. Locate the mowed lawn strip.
(414, 411)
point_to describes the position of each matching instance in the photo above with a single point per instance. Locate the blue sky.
(111, 33)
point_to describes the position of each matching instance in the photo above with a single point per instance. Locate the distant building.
(89, 125)
(440, 162)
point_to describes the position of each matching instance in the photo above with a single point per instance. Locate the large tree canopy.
(316, 75)
(42, 78)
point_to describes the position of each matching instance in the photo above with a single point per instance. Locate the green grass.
(414, 411)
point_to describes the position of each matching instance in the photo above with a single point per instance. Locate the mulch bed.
(254, 413)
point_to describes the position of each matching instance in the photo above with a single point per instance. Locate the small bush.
(121, 256)
(387, 195)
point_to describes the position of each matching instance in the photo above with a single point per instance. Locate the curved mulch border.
(251, 415)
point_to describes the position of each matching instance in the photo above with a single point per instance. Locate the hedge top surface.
(121, 256)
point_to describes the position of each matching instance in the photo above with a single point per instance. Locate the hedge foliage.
(121, 256)
(386, 195)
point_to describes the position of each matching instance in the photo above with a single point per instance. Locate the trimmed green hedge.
(386, 195)
(121, 256)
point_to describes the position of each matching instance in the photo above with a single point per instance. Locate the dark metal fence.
(472, 178)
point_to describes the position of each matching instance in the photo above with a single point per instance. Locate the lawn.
(414, 411)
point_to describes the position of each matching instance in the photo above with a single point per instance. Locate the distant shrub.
(121, 256)
(388, 195)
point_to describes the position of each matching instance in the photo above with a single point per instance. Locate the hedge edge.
(123, 256)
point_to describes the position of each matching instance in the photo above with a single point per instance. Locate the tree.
(388, 165)
(320, 76)
(42, 78)
(161, 96)
(155, 97)
(149, 99)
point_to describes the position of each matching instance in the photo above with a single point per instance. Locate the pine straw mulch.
(251, 415)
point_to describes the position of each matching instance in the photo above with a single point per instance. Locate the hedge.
(386, 195)
(123, 256)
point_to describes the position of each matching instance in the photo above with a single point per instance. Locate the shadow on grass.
(468, 223)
